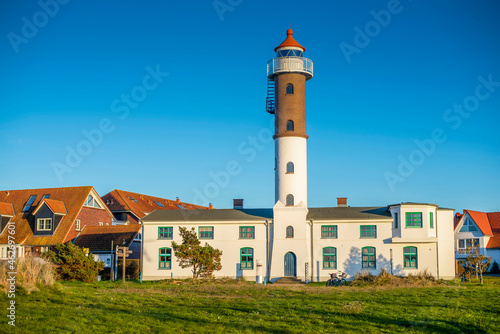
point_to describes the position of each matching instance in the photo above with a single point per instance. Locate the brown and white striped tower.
(287, 75)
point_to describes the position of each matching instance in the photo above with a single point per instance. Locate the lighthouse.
(286, 99)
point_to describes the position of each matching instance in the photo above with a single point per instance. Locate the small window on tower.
(289, 168)
(289, 126)
(289, 200)
(289, 89)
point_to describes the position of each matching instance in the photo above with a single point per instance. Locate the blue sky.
(167, 98)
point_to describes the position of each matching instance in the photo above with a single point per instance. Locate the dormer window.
(92, 202)
(44, 224)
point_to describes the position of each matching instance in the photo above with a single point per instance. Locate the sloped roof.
(6, 209)
(289, 41)
(349, 213)
(121, 200)
(210, 215)
(481, 220)
(98, 238)
(72, 197)
(229, 215)
(494, 219)
(54, 206)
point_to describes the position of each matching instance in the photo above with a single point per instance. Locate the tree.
(190, 253)
(477, 261)
(73, 264)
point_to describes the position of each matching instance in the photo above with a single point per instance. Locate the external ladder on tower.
(270, 99)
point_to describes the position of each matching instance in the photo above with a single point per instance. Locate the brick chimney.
(238, 203)
(177, 200)
(210, 206)
(341, 202)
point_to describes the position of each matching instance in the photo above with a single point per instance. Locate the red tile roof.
(6, 209)
(140, 204)
(290, 41)
(72, 197)
(98, 238)
(54, 206)
(494, 218)
(481, 220)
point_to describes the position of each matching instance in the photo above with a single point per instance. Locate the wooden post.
(123, 265)
(123, 252)
(112, 269)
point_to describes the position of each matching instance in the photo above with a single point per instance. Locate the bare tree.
(477, 261)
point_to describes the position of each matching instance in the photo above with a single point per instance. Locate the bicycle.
(341, 278)
(333, 280)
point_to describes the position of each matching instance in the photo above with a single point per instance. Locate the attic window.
(27, 207)
(46, 196)
(92, 202)
(181, 207)
(159, 204)
(132, 199)
(468, 226)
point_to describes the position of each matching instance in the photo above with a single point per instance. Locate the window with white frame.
(466, 245)
(78, 224)
(44, 224)
(92, 202)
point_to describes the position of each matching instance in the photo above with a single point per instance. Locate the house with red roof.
(128, 207)
(102, 241)
(477, 229)
(37, 219)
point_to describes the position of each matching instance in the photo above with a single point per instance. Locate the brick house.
(37, 219)
(128, 207)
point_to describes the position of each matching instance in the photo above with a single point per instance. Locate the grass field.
(241, 307)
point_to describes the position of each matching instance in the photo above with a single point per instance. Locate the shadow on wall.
(239, 272)
(353, 264)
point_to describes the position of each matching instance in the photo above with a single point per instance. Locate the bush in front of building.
(494, 268)
(73, 264)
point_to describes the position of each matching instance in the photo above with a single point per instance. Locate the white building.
(478, 229)
(292, 239)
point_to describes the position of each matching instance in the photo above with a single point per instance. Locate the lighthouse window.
(289, 126)
(289, 89)
(289, 200)
(289, 168)
(289, 232)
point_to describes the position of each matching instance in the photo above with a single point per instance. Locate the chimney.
(238, 203)
(177, 200)
(210, 206)
(341, 202)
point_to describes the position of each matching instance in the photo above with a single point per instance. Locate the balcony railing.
(290, 64)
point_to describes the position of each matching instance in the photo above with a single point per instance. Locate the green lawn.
(232, 307)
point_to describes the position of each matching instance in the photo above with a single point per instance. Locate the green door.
(290, 264)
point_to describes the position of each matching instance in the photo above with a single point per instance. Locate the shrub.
(73, 264)
(494, 268)
(32, 273)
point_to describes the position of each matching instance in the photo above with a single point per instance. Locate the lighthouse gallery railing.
(290, 64)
